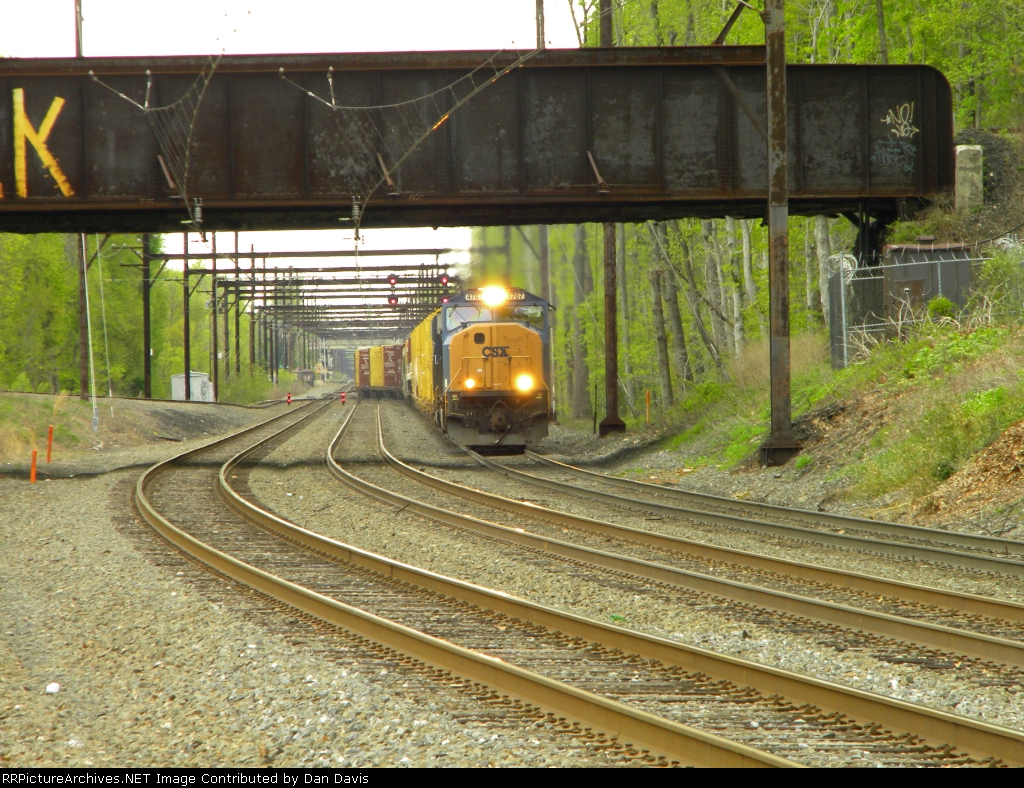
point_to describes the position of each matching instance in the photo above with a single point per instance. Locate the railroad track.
(980, 627)
(985, 553)
(184, 500)
(180, 494)
(826, 697)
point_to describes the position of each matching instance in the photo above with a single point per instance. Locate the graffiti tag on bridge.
(901, 119)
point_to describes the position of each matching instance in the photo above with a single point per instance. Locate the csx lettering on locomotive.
(495, 352)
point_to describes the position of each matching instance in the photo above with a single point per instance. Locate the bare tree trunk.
(627, 367)
(824, 246)
(713, 282)
(734, 285)
(581, 407)
(675, 322)
(508, 255)
(660, 340)
(748, 273)
(883, 47)
(544, 261)
(808, 269)
(694, 301)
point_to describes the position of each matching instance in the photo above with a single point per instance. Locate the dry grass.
(752, 370)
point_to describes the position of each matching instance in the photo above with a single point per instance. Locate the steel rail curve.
(997, 649)
(995, 544)
(861, 543)
(970, 735)
(660, 735)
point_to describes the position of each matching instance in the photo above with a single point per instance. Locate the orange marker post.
(648, 406)
(32, 473)
(49, 444)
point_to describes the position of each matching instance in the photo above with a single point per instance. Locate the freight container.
(393, 368)
(363, 368)
(376, 367)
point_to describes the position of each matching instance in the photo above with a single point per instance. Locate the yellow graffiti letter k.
(23, 130)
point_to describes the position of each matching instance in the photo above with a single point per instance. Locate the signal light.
(392, 280)
(444, 279)
(444, 299)
(393, 300)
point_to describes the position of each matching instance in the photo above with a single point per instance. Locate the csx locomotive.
(480, 367)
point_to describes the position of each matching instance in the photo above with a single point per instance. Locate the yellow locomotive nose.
(525, 382)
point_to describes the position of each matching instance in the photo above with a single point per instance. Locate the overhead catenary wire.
(174, 125)
(377, 139)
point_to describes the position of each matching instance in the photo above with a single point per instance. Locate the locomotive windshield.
(530, 314)
(461, 315)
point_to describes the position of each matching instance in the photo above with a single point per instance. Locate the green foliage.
(941, 307)
(939, 351)
(803, 461)
(975, 43)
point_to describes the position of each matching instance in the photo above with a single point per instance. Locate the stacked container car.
(379, 372)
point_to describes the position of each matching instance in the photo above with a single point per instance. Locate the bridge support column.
(780, 446)
(611, 422)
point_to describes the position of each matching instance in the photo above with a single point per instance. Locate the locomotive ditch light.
(469, 384)
(494, 295)
(525, 382)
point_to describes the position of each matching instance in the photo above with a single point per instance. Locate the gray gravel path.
(309, 496)
(159, 663)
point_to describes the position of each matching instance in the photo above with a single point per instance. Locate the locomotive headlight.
(494, 295)
(524, 382)
(470, 383)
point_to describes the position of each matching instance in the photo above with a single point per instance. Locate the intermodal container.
(377, 367)
(363, 368)
(392, 357)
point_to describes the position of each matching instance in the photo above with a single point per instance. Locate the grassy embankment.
(925, 404)
(24, 419)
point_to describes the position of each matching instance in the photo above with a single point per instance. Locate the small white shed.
(201, 388)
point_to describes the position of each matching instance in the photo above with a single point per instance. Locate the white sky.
(45, 28)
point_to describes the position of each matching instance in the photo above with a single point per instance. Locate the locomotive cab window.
(461, 315)
(531, 314)
(479, 338)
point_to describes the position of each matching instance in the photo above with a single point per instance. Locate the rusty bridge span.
(614, 134)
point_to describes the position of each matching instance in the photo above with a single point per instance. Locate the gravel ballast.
(152, 661)
(305, 493)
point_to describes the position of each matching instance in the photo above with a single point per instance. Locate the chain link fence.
(869, 304)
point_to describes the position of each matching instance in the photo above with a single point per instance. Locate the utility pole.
(78, 28)
(540, 24)
(147, 345)
(780, 446)
(83, 324)
(238, 312)
(187, 337)
(214, 363)
(611, 421)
